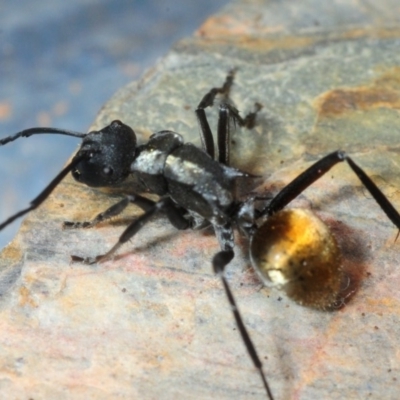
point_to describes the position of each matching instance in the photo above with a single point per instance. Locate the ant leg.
(249, 120)
(321, 167)
(228, 112)
(176, 216)
(173, 212)
(113, 211)
(219, 262)
(206, 135)
(164, 204)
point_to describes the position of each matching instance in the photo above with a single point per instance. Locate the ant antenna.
(36, 131)
(51, 186)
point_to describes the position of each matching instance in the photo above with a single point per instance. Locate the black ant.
(196, 189)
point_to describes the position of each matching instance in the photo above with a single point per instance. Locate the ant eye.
(108, 171)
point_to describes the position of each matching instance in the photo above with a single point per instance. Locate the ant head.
(105, 155)
(103, 159)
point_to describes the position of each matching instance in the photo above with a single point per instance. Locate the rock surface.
(154, 322)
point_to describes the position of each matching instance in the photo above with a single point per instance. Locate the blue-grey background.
(59, 62)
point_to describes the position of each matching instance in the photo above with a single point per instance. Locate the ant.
(289, 248)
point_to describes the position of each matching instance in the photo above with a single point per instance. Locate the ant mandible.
(198, 189)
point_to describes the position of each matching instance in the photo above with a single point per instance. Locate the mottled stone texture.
(154, 322)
